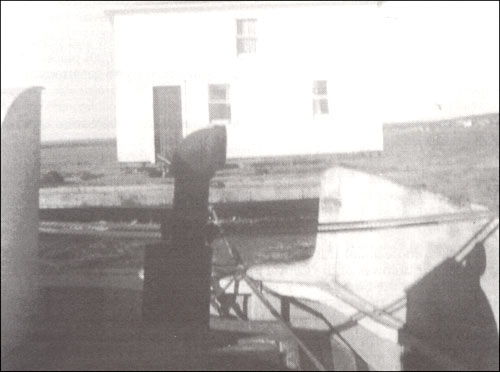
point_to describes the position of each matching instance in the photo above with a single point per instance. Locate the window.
(246, 36)
(320, 98)
(219, 106)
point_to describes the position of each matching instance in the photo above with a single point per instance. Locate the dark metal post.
(177, 272)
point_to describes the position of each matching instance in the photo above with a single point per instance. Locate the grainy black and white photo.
(250, 185)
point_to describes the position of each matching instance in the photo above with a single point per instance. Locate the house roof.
(134, 7)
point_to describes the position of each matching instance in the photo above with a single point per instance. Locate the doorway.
(167, 110)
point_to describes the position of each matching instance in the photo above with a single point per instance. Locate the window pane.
(217, 92)
(250, 27)
(320, 106)
(246, 27)
(239, 27)
(324, 106)
(319, 87)
(219, 111)
(246, 46)
(316, 107)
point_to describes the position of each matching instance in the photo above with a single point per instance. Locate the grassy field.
(446, 157)
(459, 162)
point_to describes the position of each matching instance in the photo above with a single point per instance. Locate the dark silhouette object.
(20, 177)
(450, 313)
(177, 272)
(52, 178)
(88, 176)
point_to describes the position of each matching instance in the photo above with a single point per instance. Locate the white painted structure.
(408, 260)
(269, 88)
(20, 149)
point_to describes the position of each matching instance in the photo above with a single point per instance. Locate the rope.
(232, 251)
(478, 238)
(251, 283)
(284, 324)
(391, 223)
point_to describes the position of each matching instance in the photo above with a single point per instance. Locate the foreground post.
(21, 116)
(177, 271)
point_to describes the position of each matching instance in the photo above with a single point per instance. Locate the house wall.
(270, 91)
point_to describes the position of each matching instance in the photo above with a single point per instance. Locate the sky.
(441, 55)
(65, 47)
(440, 59)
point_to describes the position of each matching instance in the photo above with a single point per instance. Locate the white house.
(285, 78)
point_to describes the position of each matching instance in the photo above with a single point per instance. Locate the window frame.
(320, 97)
(243, 38)
(214, 101)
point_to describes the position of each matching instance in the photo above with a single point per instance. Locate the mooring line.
(478, 238)
(250, 282)
(285, 325)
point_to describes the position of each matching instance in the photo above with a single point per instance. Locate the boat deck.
(101, 329)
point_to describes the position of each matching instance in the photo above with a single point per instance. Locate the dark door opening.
(167, 111)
